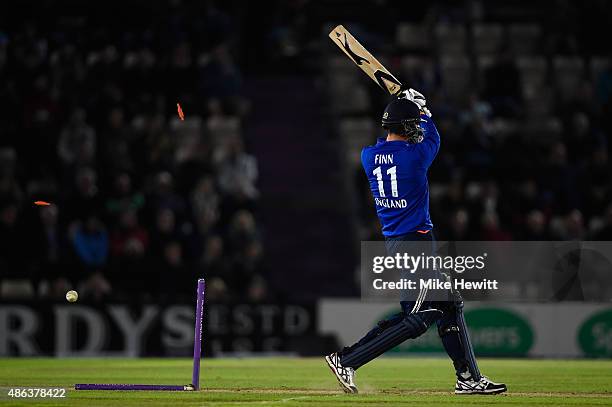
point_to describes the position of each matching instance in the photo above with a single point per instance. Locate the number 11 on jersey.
(392, 172)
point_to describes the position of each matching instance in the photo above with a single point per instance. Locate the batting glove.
(416, 97)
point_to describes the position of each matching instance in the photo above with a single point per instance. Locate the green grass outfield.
(308, 382)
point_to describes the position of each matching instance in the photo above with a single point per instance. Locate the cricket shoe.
(482, 386)
(345, 375)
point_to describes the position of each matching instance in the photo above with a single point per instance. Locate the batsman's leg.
(416, 317)
(448, 329)
(456, 340)
(386, 335)
(464, 335)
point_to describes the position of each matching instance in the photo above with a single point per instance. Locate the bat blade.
(364, 60)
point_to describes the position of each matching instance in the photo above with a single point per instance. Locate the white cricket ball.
(72, 296)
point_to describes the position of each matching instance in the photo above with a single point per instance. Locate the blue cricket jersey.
(397, 173)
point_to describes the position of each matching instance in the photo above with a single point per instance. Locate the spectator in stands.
(50, 246)
(205, 205)
(221, 126)
(116, 143)
(86, 199)
(569, 227)
(90, 243)
(101, 109)
(129, 239)
(237, 172)
(257, 290)
(77, 142)
(219, 77)
(491, 230)
(164, 196)
(527, 197)
(460, 226)
(213, 262)
(217, 290)
(124, 197)
(165, 229)
(174, 274)
(242, 230)
(536, 227)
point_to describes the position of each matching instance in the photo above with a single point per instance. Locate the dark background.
(259, 190)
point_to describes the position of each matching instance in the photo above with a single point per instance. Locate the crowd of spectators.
(145, 203)
(142, 203)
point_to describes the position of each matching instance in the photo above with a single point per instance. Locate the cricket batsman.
(396, 168)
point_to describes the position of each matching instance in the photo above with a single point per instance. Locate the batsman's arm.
(431, 140)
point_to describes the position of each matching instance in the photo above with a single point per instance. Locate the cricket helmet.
(403, 116)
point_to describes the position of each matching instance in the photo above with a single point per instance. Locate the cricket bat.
(366, 61)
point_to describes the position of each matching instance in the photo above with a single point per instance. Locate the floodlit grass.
(308, 382)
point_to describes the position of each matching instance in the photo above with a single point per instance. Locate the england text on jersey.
(397, 175)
